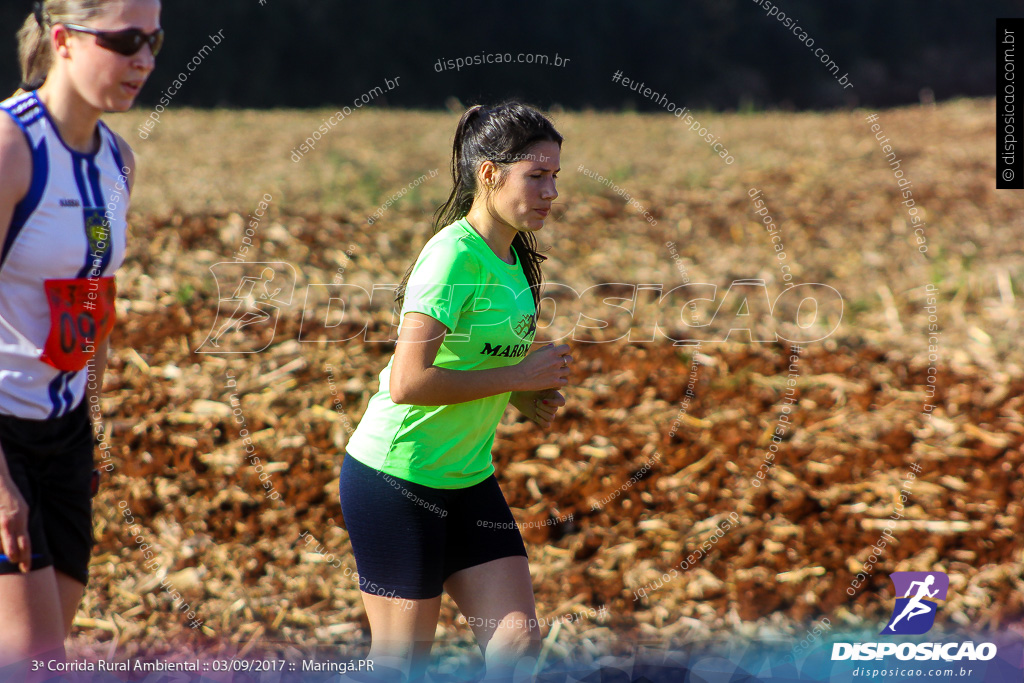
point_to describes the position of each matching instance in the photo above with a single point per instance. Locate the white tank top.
(71, 224)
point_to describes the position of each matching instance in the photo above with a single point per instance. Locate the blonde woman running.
(63, 207)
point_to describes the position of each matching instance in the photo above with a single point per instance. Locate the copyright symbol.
(1007, 174)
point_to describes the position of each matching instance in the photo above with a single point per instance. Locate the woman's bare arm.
(416, 380)
(16, 171)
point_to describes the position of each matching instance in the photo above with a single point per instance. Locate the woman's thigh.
(398, 532)
(496, 594)
(480, 528)
(487, 571)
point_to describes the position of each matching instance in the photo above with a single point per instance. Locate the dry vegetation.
(237, 556)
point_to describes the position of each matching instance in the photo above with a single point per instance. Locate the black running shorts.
(408, 538)
(51, 462)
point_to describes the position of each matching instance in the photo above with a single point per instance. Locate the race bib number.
(81, 317)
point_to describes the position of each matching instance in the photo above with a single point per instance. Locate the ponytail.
(463, 175)
(34, 52)
(500, 135)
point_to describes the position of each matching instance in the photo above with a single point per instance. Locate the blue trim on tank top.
(30, 202)
(54, 393)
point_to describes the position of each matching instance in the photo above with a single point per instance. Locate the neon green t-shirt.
(488, 308)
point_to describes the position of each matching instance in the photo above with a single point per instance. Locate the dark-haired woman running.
(418, 492)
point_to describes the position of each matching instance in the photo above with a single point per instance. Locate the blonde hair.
(34, 51)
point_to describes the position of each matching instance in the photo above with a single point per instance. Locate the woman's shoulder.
(15, 159)
(447, 255)
(452, 239)
(453, 231)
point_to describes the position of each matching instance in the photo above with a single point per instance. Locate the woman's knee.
(31, 619)
(23, 642)
(517, 635)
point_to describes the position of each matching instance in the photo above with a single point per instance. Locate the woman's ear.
(488, 174)
(59, 40)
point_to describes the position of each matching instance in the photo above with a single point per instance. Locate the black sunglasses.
(126, 42)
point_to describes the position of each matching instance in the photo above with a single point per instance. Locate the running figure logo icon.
(914, 613)
(257, 293)
(527, 326)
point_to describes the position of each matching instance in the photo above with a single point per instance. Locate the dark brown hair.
(501, 134)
